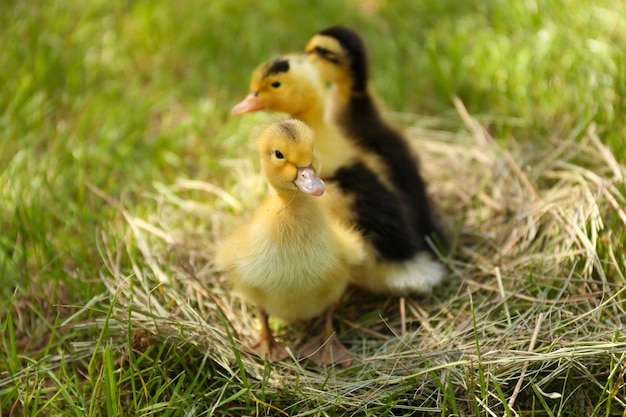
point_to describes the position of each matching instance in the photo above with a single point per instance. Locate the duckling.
(292, 258)
(340, 56)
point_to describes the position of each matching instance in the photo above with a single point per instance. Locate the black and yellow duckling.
(292, 258)
(340, 56)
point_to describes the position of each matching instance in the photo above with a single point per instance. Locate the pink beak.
(309, 182)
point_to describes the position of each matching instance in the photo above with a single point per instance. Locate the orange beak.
(247, 105)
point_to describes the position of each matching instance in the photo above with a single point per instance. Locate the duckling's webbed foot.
(267, 345)
(325, 348)
(326, 351)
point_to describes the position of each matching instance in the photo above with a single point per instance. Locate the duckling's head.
(288, 84)
(339, 54)
(287, 157)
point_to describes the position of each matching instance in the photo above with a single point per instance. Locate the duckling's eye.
(321, 51)
(278, 154)
(276, 84)
(327, 54)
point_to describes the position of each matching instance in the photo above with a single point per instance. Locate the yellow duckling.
(292, 259)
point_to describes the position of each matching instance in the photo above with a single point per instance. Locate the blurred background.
(101, 100)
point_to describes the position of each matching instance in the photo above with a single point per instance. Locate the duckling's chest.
(290, 251)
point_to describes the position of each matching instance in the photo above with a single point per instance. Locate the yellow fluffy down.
(291, 258)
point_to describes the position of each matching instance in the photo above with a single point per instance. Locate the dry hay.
(535, 296)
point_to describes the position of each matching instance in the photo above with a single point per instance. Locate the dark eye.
(327, 54)
(278, 154)
(321, 51)
(276, 84)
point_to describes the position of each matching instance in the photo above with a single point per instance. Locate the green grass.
(115, 140)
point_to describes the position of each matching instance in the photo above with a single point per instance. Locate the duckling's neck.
(297, 211)
(293, 198)
(313, 115)
(343, 85)
(299, 201)
(339, 96)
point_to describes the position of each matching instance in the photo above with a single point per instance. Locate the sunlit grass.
(108, 109)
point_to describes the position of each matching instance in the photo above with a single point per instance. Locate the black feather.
(276, 67)
(379, 215)
(353, 45)
(362, 122)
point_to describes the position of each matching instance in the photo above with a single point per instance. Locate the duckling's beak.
(308, 181)
(249, 104)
